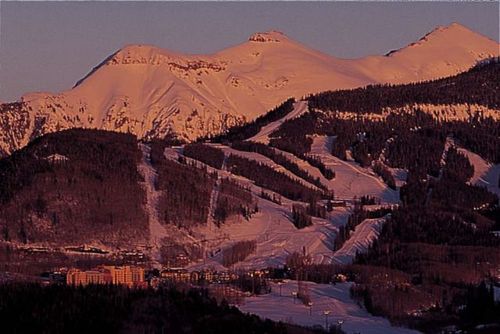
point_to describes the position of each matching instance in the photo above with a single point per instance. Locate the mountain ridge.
(153, 92)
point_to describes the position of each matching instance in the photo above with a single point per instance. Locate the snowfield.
(150, 91)
(325, 297)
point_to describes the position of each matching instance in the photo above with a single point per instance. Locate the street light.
(279, 284)
(326, 313)
(253, 284)
(339, 324)
(310, 304)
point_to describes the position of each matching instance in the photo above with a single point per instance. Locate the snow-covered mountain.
(152, 92)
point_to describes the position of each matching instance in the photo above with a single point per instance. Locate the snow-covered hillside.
(325, 297)
(151, 91)
(271, 228)
(486, 174)
(351, 180)
(361, 238)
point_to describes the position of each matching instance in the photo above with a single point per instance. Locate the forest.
(233, 200)
(238, 252)
(280, 159)
(187, 190)
(443, 242)
(207, 154)
(251, 128)
(266, 177)
(479, 85)
(73, 187)
(408, 139)
(31, 308)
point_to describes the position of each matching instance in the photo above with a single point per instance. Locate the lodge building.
(131, 276)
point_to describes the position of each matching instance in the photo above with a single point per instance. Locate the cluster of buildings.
(134, 276)
(180, 275)
(131, 276)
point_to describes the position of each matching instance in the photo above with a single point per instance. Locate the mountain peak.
(272, 36)
(452, 34)
(452, 29)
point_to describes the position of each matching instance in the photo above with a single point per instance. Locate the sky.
(48, 46)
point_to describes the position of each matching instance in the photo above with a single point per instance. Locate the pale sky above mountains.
(48, 46)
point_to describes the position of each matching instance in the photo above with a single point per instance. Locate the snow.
(160, 234)
(150, 91)
(325, 297)
(496, 293)
(263, 160)
(156, 231)
(271, 227)
(486, 174)
(57, 158)
(360, 240)
(351, 180)
(299, 108)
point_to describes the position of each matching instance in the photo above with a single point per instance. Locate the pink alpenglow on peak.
(152, 92)
(272, 36)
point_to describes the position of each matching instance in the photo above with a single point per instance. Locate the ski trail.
(156, 230)
(360, 240)
(449, 143)
(299, 108)
(214, 197)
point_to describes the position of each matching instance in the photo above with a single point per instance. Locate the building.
(176, 275)
(79, 277)
(124, 275)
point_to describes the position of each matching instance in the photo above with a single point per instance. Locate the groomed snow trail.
(360, 240)
(351, 180)
(486, 174)
(156, 230)
(299, 108)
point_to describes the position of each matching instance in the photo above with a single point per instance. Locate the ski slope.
(157, 231)
(271, 227)
(351, 180)
(486, 174)
(299, 108)
(360, 240)
(325, 297)
(263, 160)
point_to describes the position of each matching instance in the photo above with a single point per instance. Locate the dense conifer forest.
(266, 177)
(234, 200)
(441, 238)
(479, 85)
(71, 187)
(186, 190)
(31, 308)
(209, 155)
